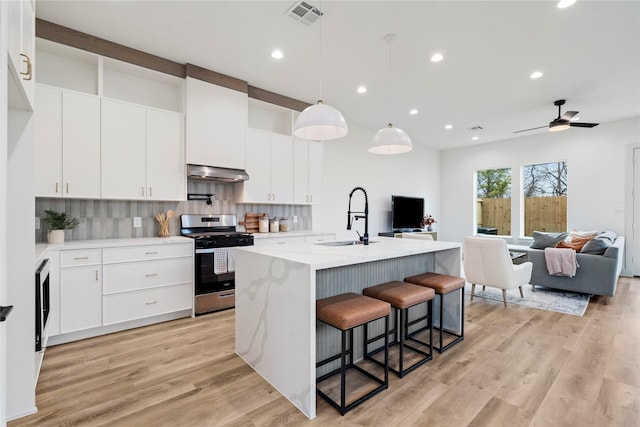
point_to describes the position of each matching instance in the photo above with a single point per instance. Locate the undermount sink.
(342, 243)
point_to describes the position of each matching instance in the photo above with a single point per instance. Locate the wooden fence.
(541, 214)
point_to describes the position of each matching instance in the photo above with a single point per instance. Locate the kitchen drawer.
(147, 274)
(143, 253)
(146, 303)
(80, 257)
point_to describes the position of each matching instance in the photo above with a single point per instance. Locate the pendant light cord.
(389, 38)
(321, 62)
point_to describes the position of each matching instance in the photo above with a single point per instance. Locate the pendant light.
(390, 140)
(320, 122)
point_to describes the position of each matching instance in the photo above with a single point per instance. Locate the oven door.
(211, 273)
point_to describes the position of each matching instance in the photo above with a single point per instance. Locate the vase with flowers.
(58, 222)
(427, 221)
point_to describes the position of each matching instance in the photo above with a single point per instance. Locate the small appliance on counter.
(215, 236)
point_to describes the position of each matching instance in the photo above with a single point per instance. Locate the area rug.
(541, 298)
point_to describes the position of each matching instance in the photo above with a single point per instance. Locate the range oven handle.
(205, 251)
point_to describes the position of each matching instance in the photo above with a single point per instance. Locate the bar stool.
(402, 296)
(346, 312)
(443, 284)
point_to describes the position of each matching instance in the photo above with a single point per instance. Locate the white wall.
(598, 166)
(348, 164)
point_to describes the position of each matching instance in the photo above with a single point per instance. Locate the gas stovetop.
(213, 231)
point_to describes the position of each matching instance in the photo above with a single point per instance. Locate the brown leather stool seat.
(443, 284)
(346, 312)
(402, 296)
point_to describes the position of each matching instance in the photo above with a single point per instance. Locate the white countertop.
(43, 248)
(300, 233)
(320, 257)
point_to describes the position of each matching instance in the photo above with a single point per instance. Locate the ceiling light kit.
(390, 140)
(320, 122)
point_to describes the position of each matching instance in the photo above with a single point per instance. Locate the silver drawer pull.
(151, 253)
(227, 295)
(81, 257)
(151, 303)
(151, 275)
(281, 243)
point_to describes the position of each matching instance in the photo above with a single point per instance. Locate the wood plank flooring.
(516, 367)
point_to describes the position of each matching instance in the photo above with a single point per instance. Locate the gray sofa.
(597, 274)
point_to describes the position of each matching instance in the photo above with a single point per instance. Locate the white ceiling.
(589, 54)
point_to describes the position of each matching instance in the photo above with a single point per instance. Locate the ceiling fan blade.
(583, 125)
(568, 115)
(526, 130)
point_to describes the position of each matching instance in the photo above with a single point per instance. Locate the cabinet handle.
(27, 61)
(150, 192)
(67, 188)
(96, 275)
(274, 196)
(81, 257)
(281, 243)
(57, 188)
(142, 191)
(226, 295)
(151, 253)
(151, 303)
(151, 275)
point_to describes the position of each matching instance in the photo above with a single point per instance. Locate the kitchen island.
(276, 291)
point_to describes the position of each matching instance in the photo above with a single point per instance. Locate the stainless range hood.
(216, 174)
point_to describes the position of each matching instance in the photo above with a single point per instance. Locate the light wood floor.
(516, 367)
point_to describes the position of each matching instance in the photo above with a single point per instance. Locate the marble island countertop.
(320, 256)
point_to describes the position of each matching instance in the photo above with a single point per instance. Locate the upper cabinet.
(21, 46)
(307, 171)
(216, 125)
(67, 144)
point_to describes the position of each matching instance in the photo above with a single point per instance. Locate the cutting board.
(251, 222)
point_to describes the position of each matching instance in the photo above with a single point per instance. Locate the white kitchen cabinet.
(21, 47)
(216, 125)
(67, 144)
(307, 171)
(145, 281)
(270, 169)
(80, 290)
(166, 173)
(141, 153)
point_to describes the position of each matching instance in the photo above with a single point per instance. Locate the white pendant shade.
(320, 122)
(390, 140)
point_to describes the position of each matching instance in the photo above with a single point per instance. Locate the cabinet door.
(21, 41)
(165, 156)
(217, 120)
(81, 145)
(258, 188)
(48, 142)
(80, 298)
(124, 151)
(301, 172)
(281, 168)
(316, 156)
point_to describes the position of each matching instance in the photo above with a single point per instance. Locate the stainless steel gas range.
(215, 237)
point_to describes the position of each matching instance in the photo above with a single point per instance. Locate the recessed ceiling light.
(437, 57)
(413, 111)
(475, 138)
(361, 89)
(536, 75)
(277, 54)
(565, 3)
(448, 127)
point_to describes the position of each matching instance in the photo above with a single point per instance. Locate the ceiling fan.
(563, 121)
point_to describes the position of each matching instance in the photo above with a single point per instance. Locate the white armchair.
(487, 262)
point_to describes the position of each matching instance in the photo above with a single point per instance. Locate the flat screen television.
(406, 213)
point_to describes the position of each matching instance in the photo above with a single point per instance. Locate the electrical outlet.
(295, 219)
(37, 223)
(137, 221)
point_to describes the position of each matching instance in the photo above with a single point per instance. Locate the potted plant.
(58, 222)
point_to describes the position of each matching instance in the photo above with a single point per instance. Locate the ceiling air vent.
(304, 12)
(475, 128)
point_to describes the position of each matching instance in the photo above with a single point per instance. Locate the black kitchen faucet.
(365, 237)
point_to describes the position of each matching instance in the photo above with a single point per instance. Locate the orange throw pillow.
(576, 243)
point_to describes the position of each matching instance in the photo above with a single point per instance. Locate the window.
(494, 201)
(545, 197)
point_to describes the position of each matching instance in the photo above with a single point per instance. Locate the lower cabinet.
(103, 288)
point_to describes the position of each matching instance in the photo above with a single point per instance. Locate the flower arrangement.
(59, 220)
(427, 221)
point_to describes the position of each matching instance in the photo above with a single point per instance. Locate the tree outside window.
(493, 194)
(545, 197)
